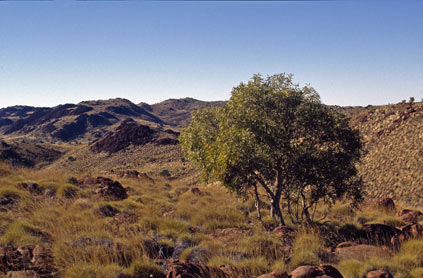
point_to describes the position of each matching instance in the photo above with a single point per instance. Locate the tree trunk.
(275, 204)
(257, 202)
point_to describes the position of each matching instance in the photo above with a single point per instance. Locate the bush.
(306, 249)
(165, 173)
(87, 270)
(141, 269)
(68, 191)
(263, 245)
(352, 268)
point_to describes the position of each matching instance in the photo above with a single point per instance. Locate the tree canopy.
(275, 135)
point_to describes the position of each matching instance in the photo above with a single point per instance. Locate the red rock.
(22, 274)
(386, 204)
(379, 274)
(275, 274)
(410, 216)
(311, 271)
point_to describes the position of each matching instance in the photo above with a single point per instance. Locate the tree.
(275, 135)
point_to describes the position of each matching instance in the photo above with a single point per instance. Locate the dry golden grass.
(168, 212)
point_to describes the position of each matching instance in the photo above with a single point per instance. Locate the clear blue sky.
(352, 52)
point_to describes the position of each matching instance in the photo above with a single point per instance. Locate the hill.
(177, 112)
(393, 137)
(83, 122)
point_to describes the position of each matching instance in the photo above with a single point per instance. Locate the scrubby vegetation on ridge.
(393, 138)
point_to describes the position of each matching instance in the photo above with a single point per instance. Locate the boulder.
(107, 211)
(110, 190)
(408, 232)
(16, 262)
(134, 174)
(8, 202)
(192, 270)
(22, 274)
(412, 231)
(346, 244)
(275, 274)
(311, 271)
(410, 216)
(42, 260)
(379, 274)
(284, 232)
(195, 191)
(360, 252)
(386, 204)
(380, 234)
(33, 188)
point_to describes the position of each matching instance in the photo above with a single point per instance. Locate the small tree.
(275, 135)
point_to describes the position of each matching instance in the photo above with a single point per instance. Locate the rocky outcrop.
(379, 274)
(380, 234)
(410, 216)
(133, 174)
(310, 271)
(110, 190)
(360, 252)
(386, 204)
(26, 261)
(275, 274)
(192, 270)
(130, 133)
(8, 202)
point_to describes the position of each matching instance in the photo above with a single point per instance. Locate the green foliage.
(306, 248)
(92, 271)
(276, 134)
(142, 268)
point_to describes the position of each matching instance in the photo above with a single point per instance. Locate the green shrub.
(352, 268)
(22, 233)
(141, 269)
(88, 270)
(306, 248)
(263, 245)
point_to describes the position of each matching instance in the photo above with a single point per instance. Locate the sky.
(66, 51)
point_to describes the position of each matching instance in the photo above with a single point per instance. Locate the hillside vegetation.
(393, 137)
(84, 226)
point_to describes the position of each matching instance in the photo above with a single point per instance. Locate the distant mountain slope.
(84, 121)
(177, 112)
(29, 154)
(393, 136)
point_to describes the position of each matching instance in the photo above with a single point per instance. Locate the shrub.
(306, 248)
(263, 245)
(417, 272)
(141, 269)
(352, 268)
(22, 233)
(165, 173)
(88, 270)
(68, 191)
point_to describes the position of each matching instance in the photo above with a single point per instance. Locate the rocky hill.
(90, 120)
(393, 137)
(83, 121)
(177, 112)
